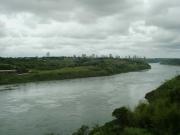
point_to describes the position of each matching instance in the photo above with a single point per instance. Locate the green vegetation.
(56, 68)
(171, 62)
(165, 61)
(160, 116)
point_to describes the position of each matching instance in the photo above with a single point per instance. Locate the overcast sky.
(148, 28)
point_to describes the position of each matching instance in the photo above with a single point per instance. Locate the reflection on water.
(63, 106)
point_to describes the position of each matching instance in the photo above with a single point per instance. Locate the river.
(63, 106)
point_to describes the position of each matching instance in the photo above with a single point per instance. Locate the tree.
(123, 115)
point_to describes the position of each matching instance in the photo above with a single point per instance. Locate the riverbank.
(46, 69)
(158, 117)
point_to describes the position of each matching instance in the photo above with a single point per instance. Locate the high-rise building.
(48, 54)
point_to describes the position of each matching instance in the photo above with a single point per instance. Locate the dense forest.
(171, 62)
(165, 61)
(20, 70)
(159, 116)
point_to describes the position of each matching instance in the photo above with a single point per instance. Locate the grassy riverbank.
(58, 68)
(160, 116)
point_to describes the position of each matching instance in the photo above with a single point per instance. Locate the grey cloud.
(167, 20)
(161, 6)
(83, 10)
(164, 14)
(2, 33)
(68, 27)
(2, 30)
(36, 6)
(173, 45)
(107, 7)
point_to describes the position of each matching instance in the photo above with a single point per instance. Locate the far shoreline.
(69, 79)
(66, 68)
